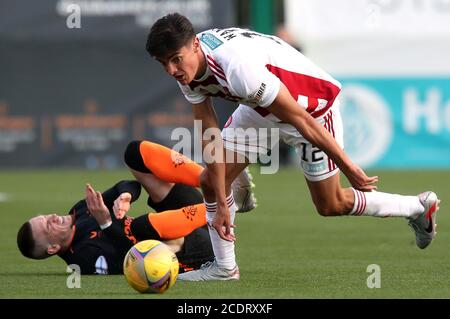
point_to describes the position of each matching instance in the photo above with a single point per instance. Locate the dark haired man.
(96, 233)
(277, 87)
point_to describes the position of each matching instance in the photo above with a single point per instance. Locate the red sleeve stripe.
(216, 72)
(218, 67)
(215, 68)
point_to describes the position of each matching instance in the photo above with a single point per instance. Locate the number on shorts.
(315, 157)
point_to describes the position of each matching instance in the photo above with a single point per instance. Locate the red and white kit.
(247, 67)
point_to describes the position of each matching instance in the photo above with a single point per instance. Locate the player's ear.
(53, 249)
(196, 44)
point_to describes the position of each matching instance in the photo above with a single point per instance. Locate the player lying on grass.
(97, 233)
(277, 88)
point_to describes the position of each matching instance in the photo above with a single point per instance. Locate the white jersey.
(247, 67)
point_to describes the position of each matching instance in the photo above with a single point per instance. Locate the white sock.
(223, 249)
(380, 204)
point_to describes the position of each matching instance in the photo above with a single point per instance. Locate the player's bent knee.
(133, 158)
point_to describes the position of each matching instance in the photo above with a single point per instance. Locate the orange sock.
(177, 223)
(169, 165)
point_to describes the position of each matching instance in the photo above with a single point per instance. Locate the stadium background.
(72, 98)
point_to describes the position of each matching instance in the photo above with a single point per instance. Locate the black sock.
(179, 196)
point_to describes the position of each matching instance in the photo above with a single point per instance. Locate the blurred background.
(76, 84)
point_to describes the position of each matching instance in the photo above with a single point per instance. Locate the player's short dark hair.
(27, 244)
(25, 240)
(168, 35)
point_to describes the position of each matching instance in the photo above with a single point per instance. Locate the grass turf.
(284, 248)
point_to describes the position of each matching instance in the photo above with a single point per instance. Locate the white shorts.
(252, 135)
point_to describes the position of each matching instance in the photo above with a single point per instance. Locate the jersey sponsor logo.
(211, 41)
(255, 97)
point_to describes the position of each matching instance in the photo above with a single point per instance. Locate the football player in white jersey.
(276, 87)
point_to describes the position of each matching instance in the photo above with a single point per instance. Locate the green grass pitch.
(284, 248)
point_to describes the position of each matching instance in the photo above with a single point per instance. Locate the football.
(150, 267)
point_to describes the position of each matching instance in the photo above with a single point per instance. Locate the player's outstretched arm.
(286, 109)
